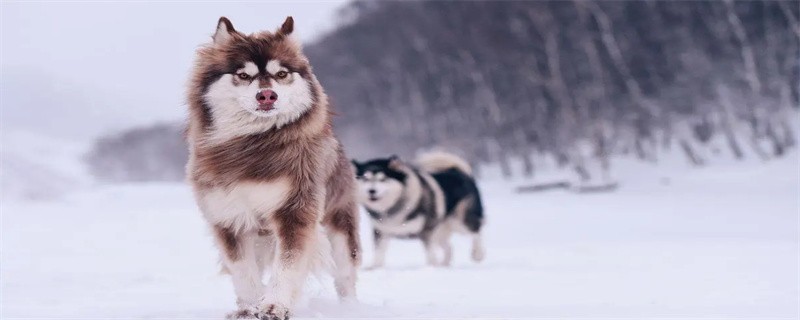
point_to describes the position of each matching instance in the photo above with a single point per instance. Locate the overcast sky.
(80, 69)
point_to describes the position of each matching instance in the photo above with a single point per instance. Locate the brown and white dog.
(267, 172)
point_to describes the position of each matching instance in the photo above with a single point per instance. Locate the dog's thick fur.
(273, 183)
(427, 200)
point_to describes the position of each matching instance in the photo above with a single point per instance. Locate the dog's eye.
(281, 74)
(243, 76)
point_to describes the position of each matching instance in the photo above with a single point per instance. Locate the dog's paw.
(272, 311)
(241, 314)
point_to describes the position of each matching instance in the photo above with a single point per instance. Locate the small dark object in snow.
(544, 187)
(596, 188)
(608, 187)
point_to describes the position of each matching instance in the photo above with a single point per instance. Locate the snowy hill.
(718, 242)
(37, 167)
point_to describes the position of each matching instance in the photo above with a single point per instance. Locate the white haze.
(78, 70)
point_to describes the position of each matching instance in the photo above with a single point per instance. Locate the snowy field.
(718, 242)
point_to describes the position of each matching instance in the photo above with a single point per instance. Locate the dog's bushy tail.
(437, 161)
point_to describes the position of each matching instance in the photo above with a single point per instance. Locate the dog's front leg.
(296, 234)
(239, 257)
(430, 254)
(381, 245)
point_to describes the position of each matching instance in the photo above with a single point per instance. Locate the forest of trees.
(580, 81)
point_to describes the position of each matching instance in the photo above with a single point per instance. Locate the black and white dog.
(427, 200)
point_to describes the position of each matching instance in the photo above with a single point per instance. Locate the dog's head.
(254, 82)
(381, 181)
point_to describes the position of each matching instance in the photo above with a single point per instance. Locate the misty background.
(100, 67)
(575, 83)
(636, 159)
(75, 73)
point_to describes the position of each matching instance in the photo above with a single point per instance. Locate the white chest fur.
(244, 205)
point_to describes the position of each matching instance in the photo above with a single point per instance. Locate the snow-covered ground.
(718, 242)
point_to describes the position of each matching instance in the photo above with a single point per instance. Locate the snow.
(672, 241)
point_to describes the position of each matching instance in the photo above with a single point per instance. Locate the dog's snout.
(266, 97)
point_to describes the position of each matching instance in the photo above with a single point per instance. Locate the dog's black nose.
(371, 192)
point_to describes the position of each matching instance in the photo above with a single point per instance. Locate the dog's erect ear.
(394, 162)
(287, 27)
(356, 167)
(224, 31)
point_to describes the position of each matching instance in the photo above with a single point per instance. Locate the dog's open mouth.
(373, 198)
